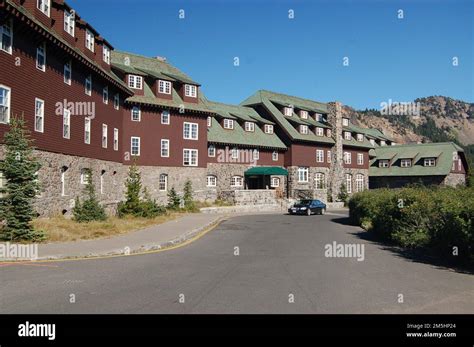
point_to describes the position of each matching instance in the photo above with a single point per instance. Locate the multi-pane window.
(136, 114)
(383, 163)
(320, 181)
(105, 95)
(349, 183)
(429, 162)
(256, 154)
(164, 87)
(190, 91)
(237, 181)
(360, 137)
(135, 82)
(211, 181)
(165, 148)
(249, 126)
(303, 174)
(117, 101)
(190, 157)
(347, 135)
(275, 156)
(268, 129)
(88, 85)
(85, 173)
(165, 117)
(359, 183)
(347, 158)
(320, 156)
(69, 22)
(345, 122)
(372, 142)
(41, 57)
(304, 114)
(228, 123)
(67, 73)
(87, 130)
(329, 156)
(211, 151)
(405, 163)
(209, 121)
(319, 117)
(90, 40)
(163, 183)
(288, 111)
(4, 104)
(360, 159)
(383, 143)
(44, 6)
(39, 115)
(104, 135)
(303, 129)
(190, 131)
(6, 37)
(135, 146)
(234, 153)
(275, 182)
(67, 124)
(106, 54)
(116, 139)
(320, 131)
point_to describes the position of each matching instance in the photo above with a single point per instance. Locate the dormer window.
(328, 132)
(209, 121)
(372, 142)
(249, 126)
(69, 22)
(288, 111)
(135, 82)
(347, 135)
(429, 162)
(106, 54)
(304, 114)
(90, 41)
(405, 163)
(268, 128)
(360, 137)
(44, 6)
(383, 143)
(164, 87)
(304, 129)
(319, 117)
(320, 131)
(190, 90)
(228, 123)
(383, 163)
(345, 122)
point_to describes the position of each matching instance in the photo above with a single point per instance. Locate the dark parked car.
(308, 207)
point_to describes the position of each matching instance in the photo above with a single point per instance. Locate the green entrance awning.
(266, 171)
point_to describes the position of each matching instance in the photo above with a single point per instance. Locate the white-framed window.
(347, 158)
(303, 174)
(347, 136)
(459, 164)
(116, 139)
(384, 163)
(2, 183)
(304, 114)
(88, 85)
(211, 151)
(329, 156)
(164, 87)
(190, 157)
(41, 57)
(105, 95)
(190, 90)
(405, 163)
(39, 115)
(360, 137)
(429, 162)
(303, 129)
(163, 183)
(117, 101)
(268, 129)
(87, 130)
(136, 114)
(360, 159)
(69, 22)
(211, 181)
(135, 145)
(90, 40)
(209, 121)
(66, 124)
(359, 183)
(320, 156)
(328, 132)
(63, 180)
(190, 131)
(85, 173)
(249, 126)
(274, 182)
(383, 143)
(320, 180)
(237, 181)
(288, 111)
(104, 135)
(318, 117)
(6, 37)
(275, 156)
(349, 183)
(228, 123)
(372, 142)
(44, 6)
(345, 122)
(165, 117)
(256, 154)
(67, 73)
(135, 82)
(320, 131)
(165, 148)
(234, 153)
(5, 93)
(106, 54)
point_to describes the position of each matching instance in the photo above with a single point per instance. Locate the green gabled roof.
(156, 74)
(129, 69)
(235, 112)
(182, 79)
(443, 166)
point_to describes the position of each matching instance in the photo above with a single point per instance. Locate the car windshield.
(304, 202)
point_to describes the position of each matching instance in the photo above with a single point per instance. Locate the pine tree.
(19, 169)
(90, 209)
(343, 195)
(188, 196)
(173, 199)
(133, 184)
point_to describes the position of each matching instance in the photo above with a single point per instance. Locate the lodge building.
(89, 106)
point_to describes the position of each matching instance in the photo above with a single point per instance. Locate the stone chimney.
(337, 169)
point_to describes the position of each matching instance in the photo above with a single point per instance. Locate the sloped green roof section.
(266, 171)
(444, 162)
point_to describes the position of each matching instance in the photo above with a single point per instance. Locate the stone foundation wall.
(455, 179)
(355, 172)
(250, 197)
(307, 190)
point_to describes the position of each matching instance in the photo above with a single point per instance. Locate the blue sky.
(389, 58)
